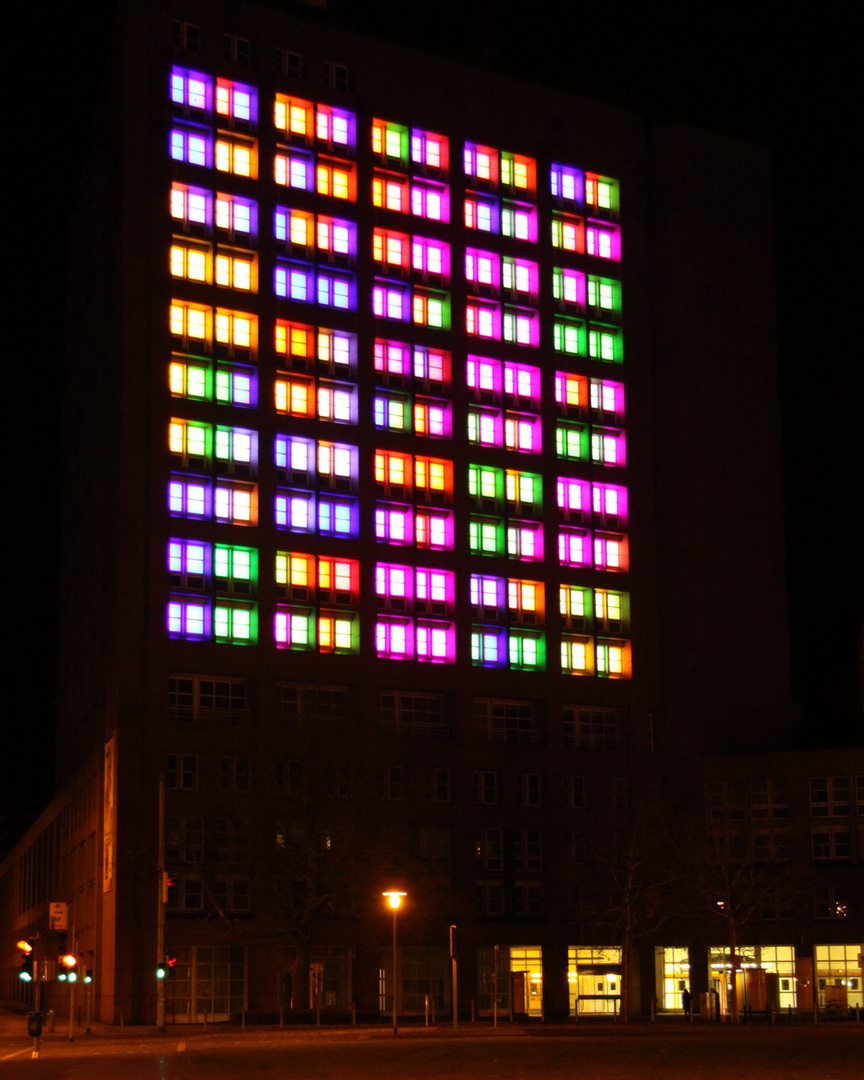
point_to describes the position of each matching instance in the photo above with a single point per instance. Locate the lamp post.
(394, 899)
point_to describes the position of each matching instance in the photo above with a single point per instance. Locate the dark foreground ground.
(587, 1052)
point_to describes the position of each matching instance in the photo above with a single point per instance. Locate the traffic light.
(25, 973)
(67, 968)
(167, 970)
(88, 975)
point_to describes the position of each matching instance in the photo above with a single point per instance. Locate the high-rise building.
(423, 532)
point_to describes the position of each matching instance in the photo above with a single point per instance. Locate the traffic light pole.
(160, 914)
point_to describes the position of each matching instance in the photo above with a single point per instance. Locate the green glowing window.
(188, 379)
(235, 569)
(484, 484)
(190, 441)
(486, 536)
(604, 294)
(527, 651)
(571, 441)
(524, 492)
(574, 604)
(604, 343)
(235, 623)
(569, 336)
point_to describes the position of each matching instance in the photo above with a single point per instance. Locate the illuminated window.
(392, 470)
(604, 294)
(574, 498)
(481, 270)
(604, 343)
(524, 493)
(295, 229)
(337, 403)
(191, 91)
(611, 610)
(394, 638)
(338, 580)
(390, 192)
(391, 301)
(337, 350)
(482, 319)
(574, 603)
(431, 367)
(295, 169)
(336, 290)
(189, 145)
(576, 655)
(522, 433)
(189, 379)
(390, 249)
(481, 163)
(392, 358)
(609, 504)
(525, 541)
(189, 497)
(189, 261)
(336, 237)
(432, 418)
(489, 647)
(485, 486)
(189, 564)
(189, 322)
(295, 396)
(235, 623)
(518, 173)
(568, 336)
(390, 141)
(486, 536)
(236, 272)
(236, 218)
(433, 590)
(518, 276)
(519, 222)
(566, 184)
(574, 547)
(571, 393)
(610, 552)
(191, 206)
(295, 511)
(568, 233)
(294, 281)
(294, 628)
(335, 178)
(607, 399)
(295, 575)
(335, 127)
(337, 465)
(602, 241)
(526, 651)
(236, 102)
(236, 330)
(236, 450)
(430, 258)
(431, 201)
(571, 441)
(430, 309)
(433, 529)
(484, 377)
(390, 411)
(433, 478)
(481, 214)
(435, 642)
(520, 326)
(429, 150)
(612, 659)
(487, 595)
(393, 586)
(294, 116)
(295, 340)
(525, 601)
(393, 524)
(235, 156)
(189, 441)
(187, 618)
(235, 503)
(337, 516)
(568, 288)
(608, 447)
(601, 194)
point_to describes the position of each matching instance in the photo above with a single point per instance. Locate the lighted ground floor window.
(764, 979)
(594, 978)
(838, 976)
(672, 966)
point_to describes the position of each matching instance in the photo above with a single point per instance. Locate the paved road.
(631, 1052)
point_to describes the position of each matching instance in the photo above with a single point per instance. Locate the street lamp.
(394, 899)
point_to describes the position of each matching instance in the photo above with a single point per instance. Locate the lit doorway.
(526, 981)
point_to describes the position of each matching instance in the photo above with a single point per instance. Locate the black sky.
(781, 75)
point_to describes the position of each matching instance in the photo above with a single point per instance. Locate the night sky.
(784, 76)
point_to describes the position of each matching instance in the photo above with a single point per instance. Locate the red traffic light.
(26, 947)
(69, 961)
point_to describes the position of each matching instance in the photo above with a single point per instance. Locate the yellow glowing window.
(188, 263)
(300, 228)
(233, 272)
(234, 157)
(296, 572)
(571, 602)
(294, 396)
(520, 174)
(293, 339)
(187, 321)
(574, 656)
(483, 166)
(430, 474)
(233, 329)
(293, 115)
(332, 180)
(522, 595)
(571, 391)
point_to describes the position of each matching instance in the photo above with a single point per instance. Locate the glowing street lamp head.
(394, 899)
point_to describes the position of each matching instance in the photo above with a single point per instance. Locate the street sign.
(57, 916)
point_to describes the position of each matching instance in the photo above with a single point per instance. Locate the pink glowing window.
(574, 548)
(573, 497)
(433, 529)
(392, 357)
(483, 320)
(393, 524)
